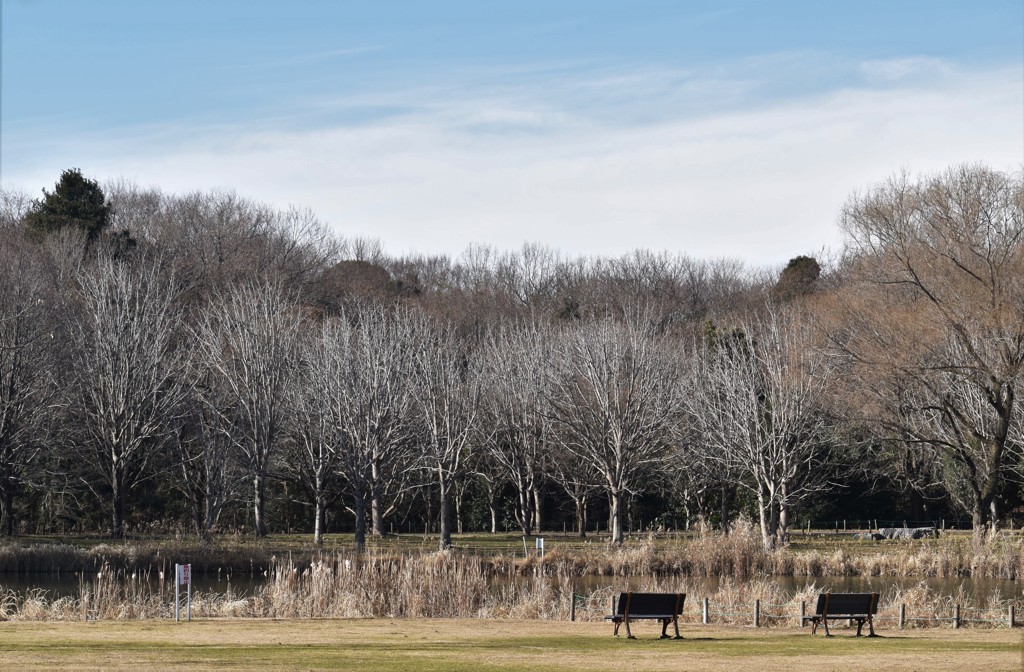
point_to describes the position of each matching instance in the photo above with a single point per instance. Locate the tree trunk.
(536, 509)
(444, 520)
(211, 514)
(979, 520)
(581, 516)
(782, 534)
(8, 516)
(615, 517)
(765, 516)
(259, 497)
(494, 517)
(525, 514)
(377, 504)
(117, 500)
(318, 520)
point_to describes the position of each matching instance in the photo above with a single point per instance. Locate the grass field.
(487, 644)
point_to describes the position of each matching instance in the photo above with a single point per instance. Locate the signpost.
(182, 577)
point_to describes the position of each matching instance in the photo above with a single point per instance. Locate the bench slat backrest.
(846, 603)
(668, 604)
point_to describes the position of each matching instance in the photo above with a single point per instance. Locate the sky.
(735, 128)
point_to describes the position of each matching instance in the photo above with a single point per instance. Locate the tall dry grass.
(459, 586)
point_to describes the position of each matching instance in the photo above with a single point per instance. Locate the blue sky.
(713, 128)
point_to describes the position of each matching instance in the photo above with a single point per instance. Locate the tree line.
(208, 361)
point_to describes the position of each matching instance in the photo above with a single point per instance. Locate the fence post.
(956, 616)
(903, 616)
(803, 612)
(1010, 616)
(757, 613)
(704, 612)
(572, 602)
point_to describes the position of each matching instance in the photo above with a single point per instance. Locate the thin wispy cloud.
(517, 161)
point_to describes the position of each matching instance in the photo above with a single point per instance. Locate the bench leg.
(616, 631)
(871, 627)
(860, 624)
(825, 623)
(629, 635)
(664, 627)
(814, 626)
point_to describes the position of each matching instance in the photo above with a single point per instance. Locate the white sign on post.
(540, 546)
(182, 577)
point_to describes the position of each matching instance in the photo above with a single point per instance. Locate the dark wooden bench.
(858, 607)
(664, 607)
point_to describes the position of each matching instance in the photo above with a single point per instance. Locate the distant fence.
(851, 525)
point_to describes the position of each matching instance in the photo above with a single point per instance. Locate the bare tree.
(249, 337)
(379, 411)
(447, 397)
(578, 480)
(614, 403)
(755, 409)
(516, 366)
(209, 476)
(354, 408)
(26, 381)
(934, 322)
(125, 365)
(317, 427)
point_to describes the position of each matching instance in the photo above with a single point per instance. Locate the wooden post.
(572, 603)
(803, 612)
(903, 616)
(844, 525)
(956, 617)
(704, 613)
(1010, 616)
(613, 605)
(757, 613)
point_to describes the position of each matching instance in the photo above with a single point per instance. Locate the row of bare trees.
(216, 347)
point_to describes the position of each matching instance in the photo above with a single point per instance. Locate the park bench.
(664, 607)
(858, 607)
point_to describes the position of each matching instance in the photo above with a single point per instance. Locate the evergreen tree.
(76, 201)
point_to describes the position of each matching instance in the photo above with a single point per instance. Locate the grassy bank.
(439, 644)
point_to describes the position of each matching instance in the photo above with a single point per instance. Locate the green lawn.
(437, 644)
